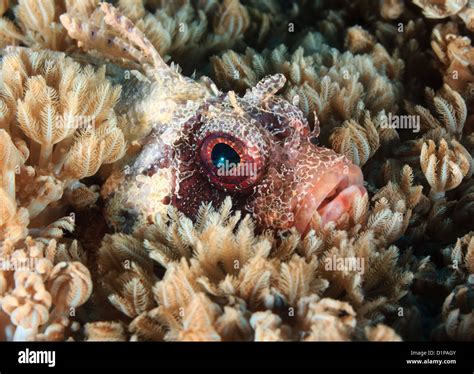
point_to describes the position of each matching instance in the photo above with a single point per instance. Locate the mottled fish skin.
(290, 179)
(293, 176)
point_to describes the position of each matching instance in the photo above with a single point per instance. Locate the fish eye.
(230, 163)
(223, 154)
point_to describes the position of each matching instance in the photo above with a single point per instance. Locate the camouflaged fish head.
(203, 144)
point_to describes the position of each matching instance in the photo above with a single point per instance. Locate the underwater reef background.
(389, 84)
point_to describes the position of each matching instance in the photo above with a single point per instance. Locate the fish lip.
(351, 190)
(338, 183)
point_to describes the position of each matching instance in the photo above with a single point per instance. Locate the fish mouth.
(331, 196)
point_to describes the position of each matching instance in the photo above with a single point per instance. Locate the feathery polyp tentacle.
(10, 158)
(128, 30)
(38, 117)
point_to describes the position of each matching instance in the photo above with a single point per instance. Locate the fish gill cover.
(222, 170)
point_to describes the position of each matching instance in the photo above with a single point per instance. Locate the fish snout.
(330, 195)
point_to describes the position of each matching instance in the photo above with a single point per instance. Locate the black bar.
(94, 355)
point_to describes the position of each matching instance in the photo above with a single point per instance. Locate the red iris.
(230, 163)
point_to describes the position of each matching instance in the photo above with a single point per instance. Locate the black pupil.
(223, 154)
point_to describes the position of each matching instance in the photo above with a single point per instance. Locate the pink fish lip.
(331, 195)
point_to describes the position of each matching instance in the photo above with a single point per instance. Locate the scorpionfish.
(203, 145)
